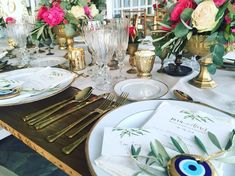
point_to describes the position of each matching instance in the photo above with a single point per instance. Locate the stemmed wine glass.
(122, 27)
(20, 31)
(90, 37)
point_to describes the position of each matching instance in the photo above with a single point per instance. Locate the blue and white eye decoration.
(190, 165)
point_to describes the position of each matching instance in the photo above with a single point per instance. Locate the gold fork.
(107, 103)
(68, 149)
(120, 100)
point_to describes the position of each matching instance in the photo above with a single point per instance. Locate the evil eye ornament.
(190, 165)
(9, 93)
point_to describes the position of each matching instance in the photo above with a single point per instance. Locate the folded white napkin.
(221, 96)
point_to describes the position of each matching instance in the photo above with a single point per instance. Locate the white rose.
(203, 17)
(94, 10)
(78, 11)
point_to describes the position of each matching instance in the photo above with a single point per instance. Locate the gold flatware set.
(52, 114)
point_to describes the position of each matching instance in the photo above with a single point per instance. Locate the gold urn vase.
(197, 45)
(64, 40)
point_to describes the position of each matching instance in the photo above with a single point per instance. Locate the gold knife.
(46, 122)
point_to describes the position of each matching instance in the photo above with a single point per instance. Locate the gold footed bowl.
(197, 45)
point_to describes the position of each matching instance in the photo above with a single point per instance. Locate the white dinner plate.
(141, 89)
(50, 61)
(134, 115)
(37, 83)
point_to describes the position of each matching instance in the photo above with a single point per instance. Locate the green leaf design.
(200, 144)
(135, 152)
(177, 145)
(214, 140)
(228, 160)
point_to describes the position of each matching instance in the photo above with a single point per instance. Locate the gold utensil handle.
(47, 114)
(55, 136)
(68, 149)
(32, 115)
(49, 121)
(87, 124)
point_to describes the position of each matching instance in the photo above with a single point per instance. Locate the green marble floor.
(23, 161)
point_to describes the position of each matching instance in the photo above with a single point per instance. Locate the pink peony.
(179, 8)
(87, 11)
(219, 3)
(53, 16)
(41, 11)
(10, 20)
(233, 30)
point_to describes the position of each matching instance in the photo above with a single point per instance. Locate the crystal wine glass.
(122, 27)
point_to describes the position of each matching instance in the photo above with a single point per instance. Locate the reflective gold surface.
(76, 59)
(197, 45)
(144, 63)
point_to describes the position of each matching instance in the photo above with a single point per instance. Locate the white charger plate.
(134, 115)
(141, 89)
(49, 61)
(60, 78)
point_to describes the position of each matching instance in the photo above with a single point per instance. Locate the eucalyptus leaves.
(157, 160)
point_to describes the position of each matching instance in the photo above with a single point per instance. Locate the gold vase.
(197, 45)
(64, 40)
(132, 48)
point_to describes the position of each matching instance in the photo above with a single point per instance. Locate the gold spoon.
(85, 93)
(185, 97)
(79, 98)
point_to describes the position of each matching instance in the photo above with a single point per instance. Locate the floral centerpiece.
(213, 18)
(70, 13)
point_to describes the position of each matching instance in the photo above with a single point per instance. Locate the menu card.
(176, 121)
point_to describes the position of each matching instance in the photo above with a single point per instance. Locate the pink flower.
(41, 11)
(227, 19)
(179, 8)
(10, 20)
(219, 3)
(87, 11)
(233, 30)
(53, 16)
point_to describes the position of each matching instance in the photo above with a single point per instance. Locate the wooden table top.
(11, 120)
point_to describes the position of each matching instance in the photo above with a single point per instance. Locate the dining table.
(222, 97)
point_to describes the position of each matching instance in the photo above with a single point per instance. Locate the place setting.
(130, 90)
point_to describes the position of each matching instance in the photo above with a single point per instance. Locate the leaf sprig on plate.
(155, 163)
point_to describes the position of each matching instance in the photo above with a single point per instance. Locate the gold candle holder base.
(203, 79)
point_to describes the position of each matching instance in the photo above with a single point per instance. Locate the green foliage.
(214, 140)
(200, 144)
(177, 145)
(2, 22)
